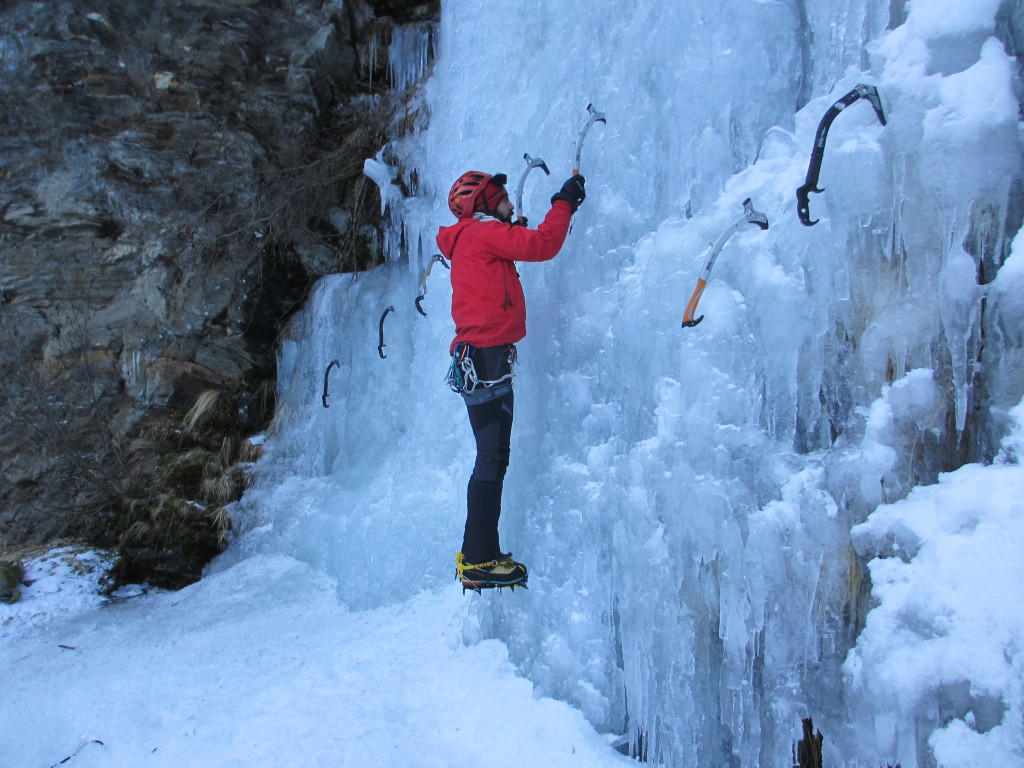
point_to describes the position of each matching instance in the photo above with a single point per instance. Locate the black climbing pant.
(492, 427)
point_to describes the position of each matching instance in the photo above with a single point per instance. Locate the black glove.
(572, 192)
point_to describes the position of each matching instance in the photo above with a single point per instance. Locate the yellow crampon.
(461, 566)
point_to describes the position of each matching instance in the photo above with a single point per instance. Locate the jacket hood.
(446, 236)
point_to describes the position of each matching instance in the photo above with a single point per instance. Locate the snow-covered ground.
(942, 652)
(257, 665)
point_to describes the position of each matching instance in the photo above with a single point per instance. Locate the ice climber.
(489, 310)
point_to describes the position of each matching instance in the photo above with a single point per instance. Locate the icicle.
(409, 54)
(373, 59)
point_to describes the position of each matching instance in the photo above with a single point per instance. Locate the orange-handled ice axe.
(595, 117)
(750, 216)
(531, 163)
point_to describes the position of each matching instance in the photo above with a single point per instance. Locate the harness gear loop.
(462, 376)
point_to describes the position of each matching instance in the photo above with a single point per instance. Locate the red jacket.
(488, 305)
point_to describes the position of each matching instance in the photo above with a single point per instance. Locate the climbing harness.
(462, 376)
(862, 91)
(531, 163)
(380, 347)
(323, 399)
(750, 216)
(595, 117)
(423, 280)
(461, 363)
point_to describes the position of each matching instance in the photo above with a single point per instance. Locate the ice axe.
(326, 394)
(862, 91)
(531, 163)
(595, 117)
(750, 216)
(437, 257)
(380, 347)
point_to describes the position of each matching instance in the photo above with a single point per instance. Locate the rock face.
(174, 175)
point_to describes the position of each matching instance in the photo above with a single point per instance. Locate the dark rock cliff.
(174, 175)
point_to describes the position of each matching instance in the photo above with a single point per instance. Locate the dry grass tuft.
(205, 405)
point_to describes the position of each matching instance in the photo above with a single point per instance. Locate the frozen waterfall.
(685, 498)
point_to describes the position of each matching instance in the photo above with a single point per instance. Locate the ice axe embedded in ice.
(380, 347)
(423, 280)
(750, 216)
(327, 373)
(531, 163)
(595, 117)
(862, 91)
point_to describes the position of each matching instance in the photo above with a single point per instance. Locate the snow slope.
(258, 666)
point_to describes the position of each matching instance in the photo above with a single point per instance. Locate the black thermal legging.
(492, 428)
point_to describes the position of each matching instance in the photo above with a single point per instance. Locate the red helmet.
(464, 197)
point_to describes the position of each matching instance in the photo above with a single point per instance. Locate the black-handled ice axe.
(862, 91)
(323, 399)
(531, 163)
(380, 347)
(595, 117)
(423, 280)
